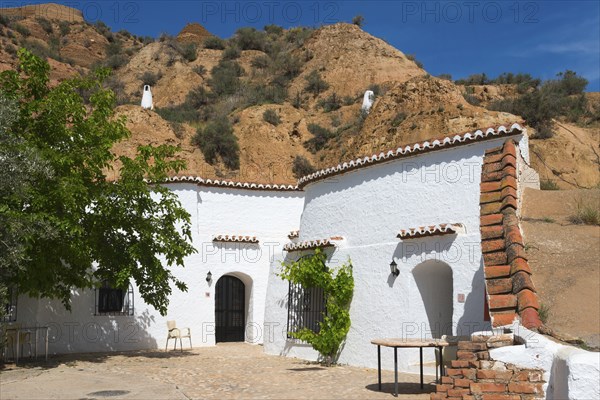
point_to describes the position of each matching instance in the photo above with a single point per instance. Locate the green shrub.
(45, 24)
(446, 77)
(302, 167)
(214, 43)
(181, 113)
(587, 212)
(271, 117)
(118, 87)
(10, 49)
(217, 140)
(544, 312)
(398, 119)
(471, 99)
(297, 101)
(39, 49)
(200, 70)
(188, 51)
(114, 48)
(548, 184)
(287, 65)
(4, 21)
(273, 29)
(64, 27)
(320, 139)
(248, 38)
(22, 30)
(231, 53)
(261, 62)
(413, 58)
(116, 61)
(315, 84)
(225, 77)
(150, 78)
(297, 36)
(331, 103)
(178, 129)
(358, 20)
(103, 29)
(198, 97)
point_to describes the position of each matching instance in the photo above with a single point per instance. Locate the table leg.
(379, 366)
(421, 359)
(36, 343)
(17, 349)
(441, 363)
(396, 371)
(46, 353)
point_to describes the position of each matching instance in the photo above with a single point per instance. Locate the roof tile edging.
(430, 230)
(420, 147)
(509, 288)
(235, 239)
(237, 185)
(313, 244)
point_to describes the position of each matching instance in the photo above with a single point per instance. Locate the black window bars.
(109, 300)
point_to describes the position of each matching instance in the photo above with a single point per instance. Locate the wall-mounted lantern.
(394, 268)
(208, 277)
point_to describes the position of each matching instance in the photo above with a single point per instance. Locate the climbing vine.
(338, 287)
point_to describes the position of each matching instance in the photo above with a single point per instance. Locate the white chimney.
(368, 100)
(147, 98)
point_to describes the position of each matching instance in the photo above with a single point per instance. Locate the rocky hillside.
(284, 93)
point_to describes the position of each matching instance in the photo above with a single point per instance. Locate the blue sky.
(455, 37)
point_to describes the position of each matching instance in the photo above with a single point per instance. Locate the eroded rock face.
(193, 33)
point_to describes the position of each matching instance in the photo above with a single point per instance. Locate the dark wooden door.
(230, 309)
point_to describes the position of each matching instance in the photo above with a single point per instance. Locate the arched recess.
(435, 284)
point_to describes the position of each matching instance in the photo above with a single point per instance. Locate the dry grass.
(586, 211)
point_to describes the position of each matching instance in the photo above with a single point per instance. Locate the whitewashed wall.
(269, 215)
(368, 207)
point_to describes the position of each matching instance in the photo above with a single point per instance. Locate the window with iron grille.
(10, 306)
(113, 301)
(306, 308)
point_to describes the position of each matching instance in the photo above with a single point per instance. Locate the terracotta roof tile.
(312, 244)
(294, 234)
(430, 230)
(429, 145)
(237, 185)
(497, 271)
(235, 238)
(509, 286)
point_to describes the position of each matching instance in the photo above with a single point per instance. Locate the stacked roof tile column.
(509, 287)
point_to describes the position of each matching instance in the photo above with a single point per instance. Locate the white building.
(425, 206)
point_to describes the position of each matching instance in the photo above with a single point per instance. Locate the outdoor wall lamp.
(394, 268)
(208, 277)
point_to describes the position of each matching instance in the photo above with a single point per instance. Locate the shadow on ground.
(403, 388)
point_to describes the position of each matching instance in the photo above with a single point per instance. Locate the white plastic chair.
(176, 333)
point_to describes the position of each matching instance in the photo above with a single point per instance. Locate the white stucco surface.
(268, 215)
(368, 207)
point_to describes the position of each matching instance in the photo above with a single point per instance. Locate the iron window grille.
(10, 306)
(306, 309)
(111, 300)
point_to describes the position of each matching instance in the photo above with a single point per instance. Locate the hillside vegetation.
(270, 105)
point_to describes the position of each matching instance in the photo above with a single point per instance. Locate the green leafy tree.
(95, 228)
(338, 288)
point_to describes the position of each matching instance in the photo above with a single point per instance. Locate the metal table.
(409, 343)
(33, 329)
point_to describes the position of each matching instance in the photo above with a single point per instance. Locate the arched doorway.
(434, 280)
(230, 309)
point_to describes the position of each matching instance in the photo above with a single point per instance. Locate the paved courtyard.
(226, 371)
